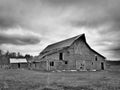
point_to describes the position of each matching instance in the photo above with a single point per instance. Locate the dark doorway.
(18, 65)
(61, 56)
(102, 66)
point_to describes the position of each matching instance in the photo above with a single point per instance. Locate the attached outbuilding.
(72, 54)
(39, 65)
(16, 63)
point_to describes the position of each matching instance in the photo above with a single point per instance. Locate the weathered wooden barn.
(16, 63)
(71, 54)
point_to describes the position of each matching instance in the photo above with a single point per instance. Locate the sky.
(28, 26)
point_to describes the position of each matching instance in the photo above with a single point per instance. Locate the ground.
(17, 79)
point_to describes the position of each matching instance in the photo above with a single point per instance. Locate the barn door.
(18, 65)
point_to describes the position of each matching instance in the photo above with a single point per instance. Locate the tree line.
(15, 55)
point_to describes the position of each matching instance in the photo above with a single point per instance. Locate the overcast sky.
(28, 26)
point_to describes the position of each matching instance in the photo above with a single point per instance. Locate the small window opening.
(44, 57)
(61, 56)
(66, 62)
(96, 58)
(92, 63)
(51, 63)
(82, 64)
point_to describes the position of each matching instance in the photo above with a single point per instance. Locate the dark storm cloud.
(115, 51)
(55, 16)
(18, 40)
(7, 14)
(71, 2)
(6, 22)
(14, 14)
(11, 16)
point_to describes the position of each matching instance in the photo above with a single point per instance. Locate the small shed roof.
(18, 60)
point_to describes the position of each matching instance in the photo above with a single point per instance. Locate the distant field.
(35, 80)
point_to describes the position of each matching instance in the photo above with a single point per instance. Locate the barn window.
(96, 58)
(92, 63)
(66, 62)
(43, 56)
(51, 63)
(61, 56)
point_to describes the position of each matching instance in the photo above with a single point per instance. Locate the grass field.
(36, 80)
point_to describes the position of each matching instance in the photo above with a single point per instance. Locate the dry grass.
(34, 80)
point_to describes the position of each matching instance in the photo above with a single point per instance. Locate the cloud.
(18, 36)
(49, 21)
(115, 51)
(71, 2)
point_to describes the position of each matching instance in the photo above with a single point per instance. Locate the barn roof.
(53, 48)
(61, 44)
(18, 60)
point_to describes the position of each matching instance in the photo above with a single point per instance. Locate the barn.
(71, 54)
(16, 63)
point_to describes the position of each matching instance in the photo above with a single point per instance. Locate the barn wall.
(23, 65)
(14, 65)
(58, 65)
(42, 65)
(32, 66)
(71, 60)
(54, 56)
(82, 52)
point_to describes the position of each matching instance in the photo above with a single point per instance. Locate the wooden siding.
(82, 52)
(19, 65)
(42, 65)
